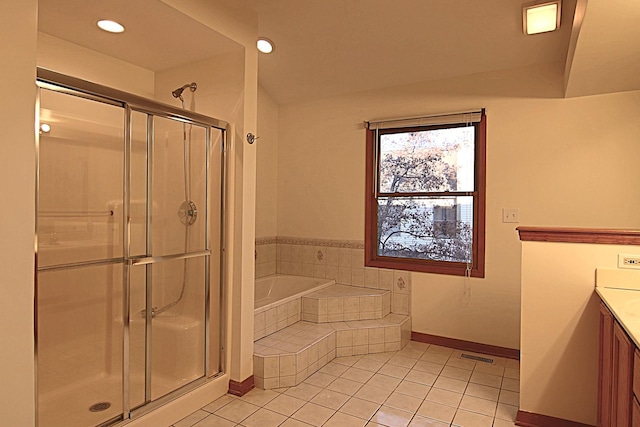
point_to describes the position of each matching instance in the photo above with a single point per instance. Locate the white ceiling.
(324, 47)
(157, 37)
(607, 55)
(332, 47)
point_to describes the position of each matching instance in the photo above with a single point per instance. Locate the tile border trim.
(350, 244)
(530, 419)
(266, 240)
(241, 388)
(492, 350)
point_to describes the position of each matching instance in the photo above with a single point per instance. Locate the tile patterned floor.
(421, 385)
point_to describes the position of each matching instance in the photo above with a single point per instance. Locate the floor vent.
(478, 358)
(99, 407)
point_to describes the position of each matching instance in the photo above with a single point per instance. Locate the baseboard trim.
(509, 353)
(241, 388)
(529, 419)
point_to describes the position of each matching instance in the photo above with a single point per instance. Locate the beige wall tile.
(344, 275)
(331, 256)
(287, 365)
(385, 279)
(271, 366)
(357, 258)
(320, 255)
(357, 277)
(297, 253)
(308, 254)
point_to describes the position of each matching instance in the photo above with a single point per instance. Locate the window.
(445, 220)
(426, 194)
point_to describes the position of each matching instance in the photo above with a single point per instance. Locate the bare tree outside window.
(427, 225)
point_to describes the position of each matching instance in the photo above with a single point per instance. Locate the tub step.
(340, 303)
(287, 357)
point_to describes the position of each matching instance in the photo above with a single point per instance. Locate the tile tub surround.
(266, 322)
(265, 257)
(287, 357)
(339, 303)
(278, 301)
(425, 385)
(341, 260)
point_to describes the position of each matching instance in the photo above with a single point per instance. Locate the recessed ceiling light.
(110, 26)
(541, 16)
(265, 45)
(45, 128)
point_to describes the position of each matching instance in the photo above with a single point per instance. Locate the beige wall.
(64, 57)
(559, 359)
(561, 162)
(17, 174)
(267, 167)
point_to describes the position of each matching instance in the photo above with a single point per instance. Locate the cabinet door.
(605, 367)
(635, 417)
(621, 396)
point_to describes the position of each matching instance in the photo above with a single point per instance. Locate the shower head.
(178, 92)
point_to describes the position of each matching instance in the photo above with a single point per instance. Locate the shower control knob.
(188, 212)
(251, 138)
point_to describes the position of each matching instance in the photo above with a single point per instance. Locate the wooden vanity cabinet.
(622, 377)
(635, 411)
(605, 366)
(617, 405)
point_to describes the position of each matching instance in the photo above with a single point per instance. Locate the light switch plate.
(510, 215)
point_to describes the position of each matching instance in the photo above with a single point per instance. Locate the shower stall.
(129, 255)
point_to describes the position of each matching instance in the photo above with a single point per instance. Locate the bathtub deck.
(287, 357)
(339, 303)
(289, 354)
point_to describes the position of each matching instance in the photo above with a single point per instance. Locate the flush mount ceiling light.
(110, 26)
(541, 16)
(265, 45)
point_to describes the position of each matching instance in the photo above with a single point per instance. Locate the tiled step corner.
(289, 356)
(391, 333)
(268, 321)
(340, 303)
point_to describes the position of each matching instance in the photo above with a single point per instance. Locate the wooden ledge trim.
(530, 419)
(580, 235)
(240, 388)
(491, 350)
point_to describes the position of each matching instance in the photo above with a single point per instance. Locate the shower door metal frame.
(73, 86)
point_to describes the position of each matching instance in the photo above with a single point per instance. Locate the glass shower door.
(169, 255)
(79, 279)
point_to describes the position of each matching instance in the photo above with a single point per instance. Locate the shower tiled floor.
(421, 385)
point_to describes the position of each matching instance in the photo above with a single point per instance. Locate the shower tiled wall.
(342, 260)
(265, 254)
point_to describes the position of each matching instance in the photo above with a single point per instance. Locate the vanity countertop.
(620, 291)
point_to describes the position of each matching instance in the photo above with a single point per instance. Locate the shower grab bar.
(93, 263)
(74, 213)
(153, 259)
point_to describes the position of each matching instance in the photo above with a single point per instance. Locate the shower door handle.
(154, 259)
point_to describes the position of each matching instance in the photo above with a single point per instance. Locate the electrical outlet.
(629, 261)
(510, 215)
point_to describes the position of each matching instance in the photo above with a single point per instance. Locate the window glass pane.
(438, 229)
(427, 161)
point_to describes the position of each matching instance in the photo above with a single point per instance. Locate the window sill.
(422, 266)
